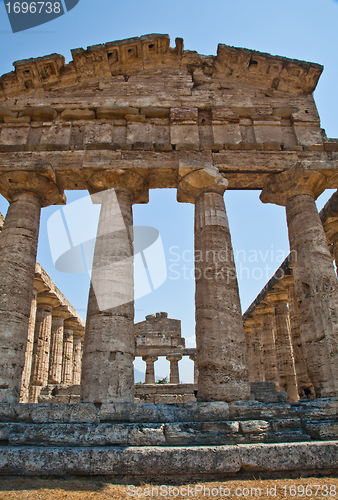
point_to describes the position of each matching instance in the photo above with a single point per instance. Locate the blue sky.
(306, 29)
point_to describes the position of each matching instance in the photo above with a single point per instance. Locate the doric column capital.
(174, 357)
(48, 299)
(120, 180)
(193, 357)
(262, 310)
(15, 183)
(298, 180)
(62, 312)
(150, 357)
(288, 281)
(206, 178)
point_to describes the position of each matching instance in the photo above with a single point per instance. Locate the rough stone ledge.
(172, 463)
(318, 409)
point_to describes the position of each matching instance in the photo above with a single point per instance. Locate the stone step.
(168, 464)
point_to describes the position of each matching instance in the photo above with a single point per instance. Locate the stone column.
(303, 380)
(174, 371)
(77, 357)
(193, 358)
(284, 352)
(109, 344)
(56, 345)
(41, 349)
(220, 339)
(150, 368)
(314, 276)
(27, 192)
(331, 231)
(26, 374)
(67, 357)
(255, 339)
(268, 344)
(249, 350)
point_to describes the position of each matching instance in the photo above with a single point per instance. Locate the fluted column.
(109, 345)
(193, 358)
(150, 368)
(77, 358)
(314, 275)
(56, 345)
(67, 357)
(27, 192)
(174, 371)
(220, 339)
(249, 349)
(303, 381)
(26, 374)
(268, 344)
(255, 350)
(284, 351)
(41, 349)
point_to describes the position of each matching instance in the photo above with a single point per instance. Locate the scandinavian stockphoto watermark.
(24, 15)
(74, 232)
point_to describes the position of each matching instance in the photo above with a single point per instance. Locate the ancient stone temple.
(123, 118)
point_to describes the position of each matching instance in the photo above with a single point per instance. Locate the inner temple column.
(150, 368)
(255, 339)
(27, 192)
(41, 349)
(26, 374)
(284, 352)
(67, 357)
(109, 344)
(314, 276)
(193, 358)
(77, 357)
(60, 314)
(220, 339)
(303, 381)
(174, 370)
(268, 344)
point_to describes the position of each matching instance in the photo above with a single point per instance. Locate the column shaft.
(18, 246)
(77, 355)
(303, 380)
(26, 374)
(41, 350)
(285, 359)
(220, 339)
(109, 345)
(56, 350)
(269, 350)
(67, 358)
(150, 369)
(316, 292)
(174, 370)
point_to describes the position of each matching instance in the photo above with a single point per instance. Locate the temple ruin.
(120, 119)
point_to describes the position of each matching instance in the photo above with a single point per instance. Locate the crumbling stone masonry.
(122, 118)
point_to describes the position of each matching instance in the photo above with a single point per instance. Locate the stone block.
(78, 114)
(254, 426)
(290, 457)
(184, 134)
(307, 135)
(140, 132)
(101, 133)
(229, 133)
(320, 430)
(268, 132)
(40, 113)
(14, 135)
(153, 112)
(56, 134)
(104, 112)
